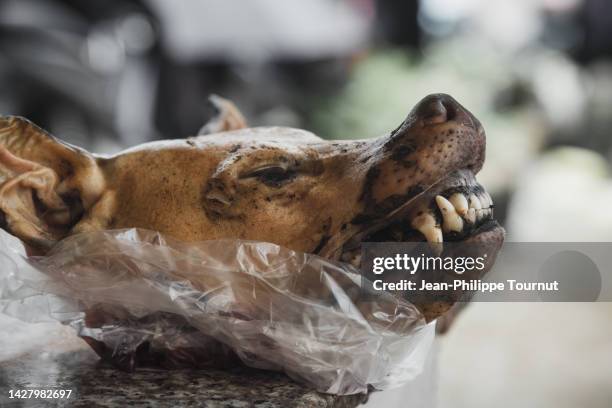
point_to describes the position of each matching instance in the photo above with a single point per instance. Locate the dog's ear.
(226, 117)
(45, 185)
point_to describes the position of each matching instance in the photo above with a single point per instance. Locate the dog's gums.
(272, 184)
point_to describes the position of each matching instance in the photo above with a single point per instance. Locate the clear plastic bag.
(139, 298)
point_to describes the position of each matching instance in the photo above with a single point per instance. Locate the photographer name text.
(475, 285)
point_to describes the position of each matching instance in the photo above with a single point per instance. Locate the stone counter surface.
(96, 384)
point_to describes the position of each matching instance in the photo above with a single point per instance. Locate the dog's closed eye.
(272, 176)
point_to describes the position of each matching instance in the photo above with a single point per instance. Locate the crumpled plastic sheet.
(141, 299)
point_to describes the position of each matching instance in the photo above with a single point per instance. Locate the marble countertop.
(95, 384)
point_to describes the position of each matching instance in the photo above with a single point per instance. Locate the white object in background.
(259, 30)
(560, 199)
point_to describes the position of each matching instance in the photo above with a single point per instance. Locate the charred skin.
(279, 185)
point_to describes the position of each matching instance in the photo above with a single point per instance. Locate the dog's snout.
(438, 134)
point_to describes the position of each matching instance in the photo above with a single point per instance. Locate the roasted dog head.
(273, 184)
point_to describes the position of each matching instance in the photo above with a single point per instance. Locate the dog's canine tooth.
(451, 220)
(426, 224)
(460, 203)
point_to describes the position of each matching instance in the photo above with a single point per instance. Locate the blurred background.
(107, 74)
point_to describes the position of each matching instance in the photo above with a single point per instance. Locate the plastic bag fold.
(139, 298)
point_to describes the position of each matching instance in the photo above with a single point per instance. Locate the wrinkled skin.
(273, 184)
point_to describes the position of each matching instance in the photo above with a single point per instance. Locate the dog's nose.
(431, 110)
(440, 108)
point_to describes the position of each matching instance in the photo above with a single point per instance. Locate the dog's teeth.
(451, 220)
(460, 203)
(475, 207)
(483, 200)
(474, 202)
(470, 216)
(425, 223)
(458, 211)
(480, 214)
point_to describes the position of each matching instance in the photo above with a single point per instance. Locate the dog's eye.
(273, 176)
